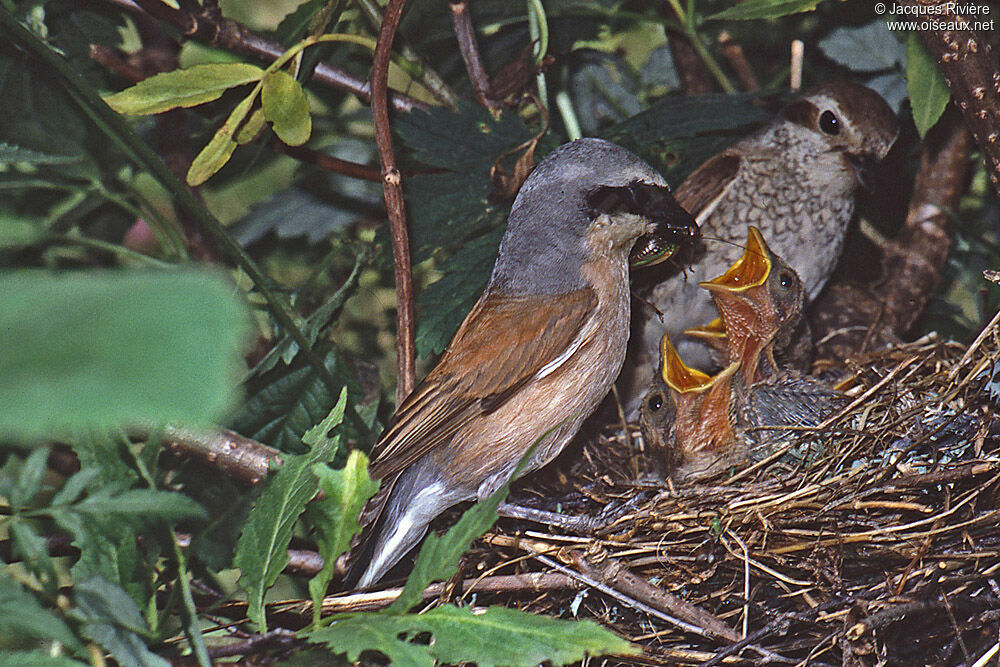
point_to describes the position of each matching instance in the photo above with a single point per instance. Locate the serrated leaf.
(335, 517)
(498, 636)
(285, 104)
(261, 552)
(444, 304)
(764, 9)
(183, 88)
(290, 403)
(925, 84)
(216, 154)
(21, 615)
(604, 90)
(96, 350)
(75, 486)
(111, 618)
(869, 48)
(29, 478)
(31, 548)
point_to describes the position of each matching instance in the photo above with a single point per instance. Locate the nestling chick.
(698, 425)
(538, 351)
(795, 179)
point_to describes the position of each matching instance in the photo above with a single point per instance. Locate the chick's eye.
(785, 280)
(655, 402)
(829, 123)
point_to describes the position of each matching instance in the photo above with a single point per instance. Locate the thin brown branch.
(233, 36)
(327, 162)
(239, 457)
(278, 638)
(970, 68)
(465, 32)
(392, 189)
(733, 53)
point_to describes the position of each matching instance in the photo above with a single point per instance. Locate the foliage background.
(112, 326)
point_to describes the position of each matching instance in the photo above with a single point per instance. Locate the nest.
(881, 547)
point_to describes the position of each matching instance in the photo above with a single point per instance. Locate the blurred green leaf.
(14, 153)
(335, 517)
(29, 479)
(286, 106)
(928, 90)
(22, 616)
(869, 48)
(103, 349)
(497, 636)
(111, 618)
(293, 27)
(145, 503)
(36, 659)
(31, 548)
(764, 9)
(261, 552)
(183, 88)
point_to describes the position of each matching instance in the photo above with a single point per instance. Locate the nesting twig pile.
(884, 549)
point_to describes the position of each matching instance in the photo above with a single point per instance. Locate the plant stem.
(687, 22)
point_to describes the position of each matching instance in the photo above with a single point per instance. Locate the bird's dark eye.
(785, 280)
(655, 402)
(829, 123)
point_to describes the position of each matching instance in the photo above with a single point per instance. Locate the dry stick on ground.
(392, 189)
(970, 68)
(465, 32)
(209, 28)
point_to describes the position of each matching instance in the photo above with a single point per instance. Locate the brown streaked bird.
(536, 354)
(795, 179)
(698, 425)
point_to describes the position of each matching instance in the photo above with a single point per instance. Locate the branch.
(392, 189)
(327, 162)
(914, 260)
(214, 30)
(970, 68)
(461, 21)
(241, 458)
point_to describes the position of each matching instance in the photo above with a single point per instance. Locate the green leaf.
(146, 503)
(36, 659)
(285, 104)
(764, 9)
(498, 636)
(29, 479)
(111, 618)
(928, 90)
(14, 153)
(22, 616)
(97, 350)
(445, 303)
(216, 154)
(31, 548)
(261, 552)
(335, 517)
(869, 48)
(183, 88)
(290, 402)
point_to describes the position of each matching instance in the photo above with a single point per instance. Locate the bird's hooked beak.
(674, 230)
(862, 164)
